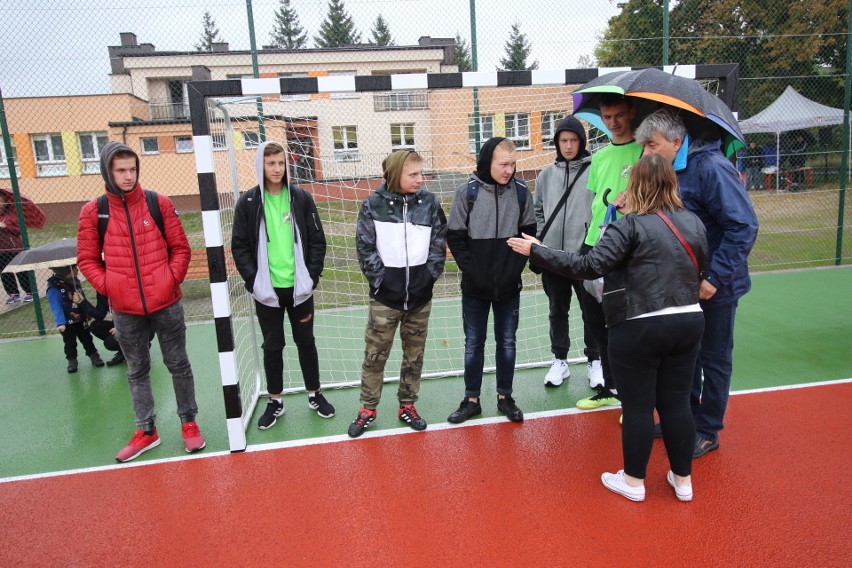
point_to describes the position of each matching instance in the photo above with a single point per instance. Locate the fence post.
(844, 159)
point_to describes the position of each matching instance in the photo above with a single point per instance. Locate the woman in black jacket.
(652, 274)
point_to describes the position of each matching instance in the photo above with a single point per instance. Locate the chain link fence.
(75, 75)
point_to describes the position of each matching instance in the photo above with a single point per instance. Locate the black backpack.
(153, 207)
(522, 192)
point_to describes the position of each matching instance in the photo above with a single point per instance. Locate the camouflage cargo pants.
(382, 322)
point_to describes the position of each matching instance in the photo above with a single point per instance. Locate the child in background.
(71, 320)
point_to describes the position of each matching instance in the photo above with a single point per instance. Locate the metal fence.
(74, 75)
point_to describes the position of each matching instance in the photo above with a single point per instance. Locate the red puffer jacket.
(140, 272)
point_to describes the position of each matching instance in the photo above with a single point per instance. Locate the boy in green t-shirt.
(610, 170)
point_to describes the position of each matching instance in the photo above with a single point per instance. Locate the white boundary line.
(378, 434)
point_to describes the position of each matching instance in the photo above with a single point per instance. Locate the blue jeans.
(475, 317)
(132, 332)
(709, 397)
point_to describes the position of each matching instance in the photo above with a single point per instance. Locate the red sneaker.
(192, 437)
(139, 444)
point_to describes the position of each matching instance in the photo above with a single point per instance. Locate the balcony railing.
(402, 100)
(164, 110)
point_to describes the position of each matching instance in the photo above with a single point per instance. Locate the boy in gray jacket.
(562, 212)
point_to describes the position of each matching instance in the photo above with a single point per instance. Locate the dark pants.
(558, 290)
(715, 363)
(73, 332)
(475, 318)
(9, 283)
(271, 322)
(652, 361)
(101, 330)
(133, 333)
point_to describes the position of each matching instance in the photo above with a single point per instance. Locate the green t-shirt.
(610, 168)
(276, 212)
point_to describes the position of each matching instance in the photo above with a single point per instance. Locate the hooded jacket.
(140, 271)
(249, 239)
(569, 227)
(401, 241)
(710, 187)
(59, 293)
(645, 267)
(477, 237)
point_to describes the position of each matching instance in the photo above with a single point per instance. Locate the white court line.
(379, 434)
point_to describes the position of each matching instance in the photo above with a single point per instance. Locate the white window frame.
(4, 167)
(549, 121)
(149, 152)
(403, 131)
(517, 131)
(347, 151)
(54, 165)
(298, 97)
(251, 139)
(183, 139)
(92, 164)
(486, 130)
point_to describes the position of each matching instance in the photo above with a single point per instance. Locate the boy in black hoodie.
(491, 271)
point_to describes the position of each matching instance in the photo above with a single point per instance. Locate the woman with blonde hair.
(651, 260)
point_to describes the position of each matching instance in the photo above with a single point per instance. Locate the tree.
(517, 51)
(286, 31)
(632, 37)
(337, 29)
(586, 62)
(209, 35)
(463, 57)
(381, 32)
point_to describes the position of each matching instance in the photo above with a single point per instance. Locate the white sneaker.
(682, 492)
(596, 379)
(615, 483)
(558, 372)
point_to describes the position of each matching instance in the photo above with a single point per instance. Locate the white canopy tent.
(790, 111)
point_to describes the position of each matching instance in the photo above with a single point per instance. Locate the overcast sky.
(59, 47)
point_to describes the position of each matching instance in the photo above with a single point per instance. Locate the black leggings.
(653, 361)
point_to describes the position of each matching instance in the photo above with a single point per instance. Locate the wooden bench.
(198, 264)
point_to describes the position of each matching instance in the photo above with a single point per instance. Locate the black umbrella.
(58, 253)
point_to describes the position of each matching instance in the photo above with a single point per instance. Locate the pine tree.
(381, 32)
(209, 35)
(286, 31)
(463, 57)
(338, 29)
(517, 51)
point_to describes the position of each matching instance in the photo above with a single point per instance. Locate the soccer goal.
(337, 130)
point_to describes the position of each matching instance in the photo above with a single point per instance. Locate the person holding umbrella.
(10, 245)
(709, 187)
(65, 296)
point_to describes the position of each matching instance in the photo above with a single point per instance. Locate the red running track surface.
(776, 493)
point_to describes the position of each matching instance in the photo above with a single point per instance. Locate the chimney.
(128, 39)
(219, 46)
(201, 73)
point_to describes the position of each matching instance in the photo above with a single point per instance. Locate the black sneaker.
(703, 445)
(274, 409)
(96, 359)
(117, 360)
(507, 406)
(321, 405)
(72, 365)
(467, 408)
(365, 418)
(407, 413)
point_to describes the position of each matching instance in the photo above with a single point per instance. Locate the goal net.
(336, 141)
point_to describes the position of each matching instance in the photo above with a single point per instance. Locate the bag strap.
(679, 236)
(562, 200)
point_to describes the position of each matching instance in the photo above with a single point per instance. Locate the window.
(183, 144)
(518, 129)
(300, 96)
(400, 100)
(150, 145)
(49, 155)
(220, 141)
(251, 140)
(4, 166)
(402, 136)
(345, 95)
(345, 143)
(549, 122)
(91, 144)
(486, 130)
